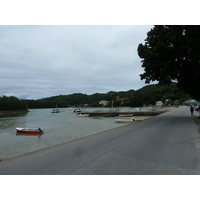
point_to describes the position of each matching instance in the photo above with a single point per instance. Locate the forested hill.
(12, 104)
(146, 95)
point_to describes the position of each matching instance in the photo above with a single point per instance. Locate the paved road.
(164, 144)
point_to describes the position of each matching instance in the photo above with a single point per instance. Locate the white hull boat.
(55, 110)
(77, 110)
(125, 120)
(82, 115)
(30, 130)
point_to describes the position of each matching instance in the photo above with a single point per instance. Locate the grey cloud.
(42, 61)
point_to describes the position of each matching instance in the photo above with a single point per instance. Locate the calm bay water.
(58, 127)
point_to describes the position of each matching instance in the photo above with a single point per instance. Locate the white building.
(103, 102)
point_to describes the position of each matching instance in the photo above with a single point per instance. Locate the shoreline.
(101, 143)
(10, 112)
(137, 119)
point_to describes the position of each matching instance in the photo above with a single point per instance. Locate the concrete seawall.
(142, 113)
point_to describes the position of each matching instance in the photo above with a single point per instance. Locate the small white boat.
(30, 130)
(82, 115)
(139, 109)
(55, 110)
(77, 110)
(125, 120)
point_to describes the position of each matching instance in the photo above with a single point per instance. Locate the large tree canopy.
(172, 53)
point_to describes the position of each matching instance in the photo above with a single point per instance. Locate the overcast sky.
(43, 61)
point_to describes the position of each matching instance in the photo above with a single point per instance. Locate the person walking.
(192, 110)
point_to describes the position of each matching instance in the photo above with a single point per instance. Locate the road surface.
(164, 144)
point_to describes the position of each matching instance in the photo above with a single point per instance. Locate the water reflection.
(30, 134)
(8, 120)
(13, 115)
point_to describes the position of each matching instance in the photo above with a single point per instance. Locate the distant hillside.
(151, 93)
(147, 95)
(12, 105)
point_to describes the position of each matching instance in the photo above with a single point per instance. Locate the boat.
(82, 115)
(139, 109)
(77, 110)
(112, 108)
(30, 130)
(111, 115)
(55, 110)
(126, 115)
(125, 120)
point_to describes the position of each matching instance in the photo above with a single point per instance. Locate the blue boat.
(55, 110)
(112, 115)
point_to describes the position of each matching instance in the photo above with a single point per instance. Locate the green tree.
(12, 103)
(136, 101)
(172, 53)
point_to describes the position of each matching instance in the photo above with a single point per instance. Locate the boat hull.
(55, 110)
(82, 115)
(125, 120)
(114, 115)
(29, 130)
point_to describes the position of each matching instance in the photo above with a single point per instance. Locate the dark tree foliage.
(146, 95)
(12, 103)
(172, 53)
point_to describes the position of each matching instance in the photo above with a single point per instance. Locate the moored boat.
(30, 130)
(77, 110)
(126, 115)
(55, 110)
(125, 120)
(82, 115)
(111, 115)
